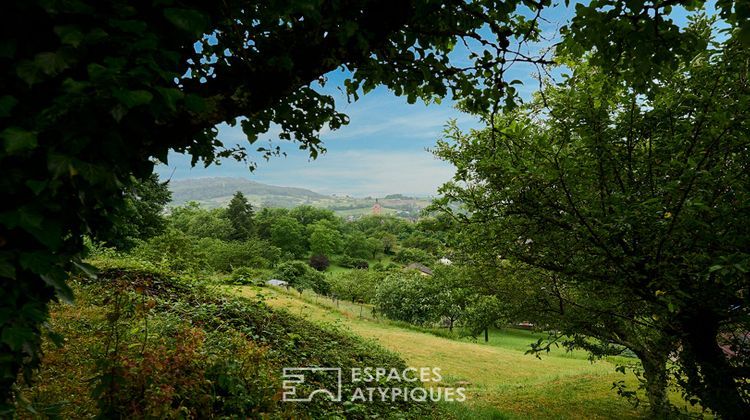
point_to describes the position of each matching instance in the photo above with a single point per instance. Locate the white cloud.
(363, 172)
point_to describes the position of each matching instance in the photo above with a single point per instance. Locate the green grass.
(503, 382)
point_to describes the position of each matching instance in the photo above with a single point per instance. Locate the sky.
(383, 150)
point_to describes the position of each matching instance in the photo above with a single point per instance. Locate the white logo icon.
(296, 376)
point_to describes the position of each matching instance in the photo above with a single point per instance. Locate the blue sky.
(381, 151)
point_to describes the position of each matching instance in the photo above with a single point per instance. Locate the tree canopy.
(627, 212)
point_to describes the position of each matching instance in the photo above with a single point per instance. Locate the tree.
(323, 239)
(142, 215)
(95, 93)
(411, 255)
(630, 212)
(407, 296)
(287, 234)
(423, 242)
(356, 245)
(194, 221)
(225, 256)
(319, 262)
(453, 294)
(302, 277)
(240, 214)
(355, 285)
(390, 241)
(172, 250)
(308, 215)
(482, 314)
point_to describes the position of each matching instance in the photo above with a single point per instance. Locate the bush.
(350, 262)
(173, 251)
(413, 255)
(245, 276)
(224, 256)
(319, 262)
(301, 276)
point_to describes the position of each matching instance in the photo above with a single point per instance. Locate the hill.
(216, 192)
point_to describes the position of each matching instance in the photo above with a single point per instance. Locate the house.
(423, 269)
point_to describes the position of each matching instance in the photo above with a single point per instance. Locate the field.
(503, 382)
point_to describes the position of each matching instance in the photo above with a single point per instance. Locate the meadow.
(502, 381)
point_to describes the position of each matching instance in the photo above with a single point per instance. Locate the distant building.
(445, 261)
(423, 269)
(377, 208)
(277, 283)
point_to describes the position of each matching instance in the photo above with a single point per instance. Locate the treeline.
(191, 238)
(372, 255)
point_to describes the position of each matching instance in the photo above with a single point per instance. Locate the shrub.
(301, 276)
(224, 256)
(412, 255)
(319, 262)
(246, 276)
(172, 250)
(350, 262)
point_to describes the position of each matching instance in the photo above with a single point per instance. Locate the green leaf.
(88, 269)
(133, 98)
(16, 139)
(28, 72)
(7, 270)
(171, 96)
(195, 103)
(69, 35)
(16, 336)
(51, 63)
(188, 20)
(7, 103)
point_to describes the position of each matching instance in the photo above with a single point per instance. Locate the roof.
(419, 267)
(277, 282)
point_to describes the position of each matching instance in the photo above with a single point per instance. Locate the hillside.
(216, 192)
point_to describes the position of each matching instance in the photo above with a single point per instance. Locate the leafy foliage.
(142, 215)
(407, 296)
(240, 214)
(629, 213)
(301, 276)
(319, 262)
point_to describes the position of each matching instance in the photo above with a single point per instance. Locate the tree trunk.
(486, 334)
(655, 374)
(709, 374)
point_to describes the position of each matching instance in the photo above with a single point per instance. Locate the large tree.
(628, 215)
(142, 216)
(92, 92)
(240, 215)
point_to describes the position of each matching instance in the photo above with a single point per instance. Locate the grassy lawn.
(503, 381)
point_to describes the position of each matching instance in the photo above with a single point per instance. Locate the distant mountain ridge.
(218, 191)
(215, 192)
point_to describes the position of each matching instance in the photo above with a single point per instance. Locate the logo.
(302, 384)
(295, 377)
